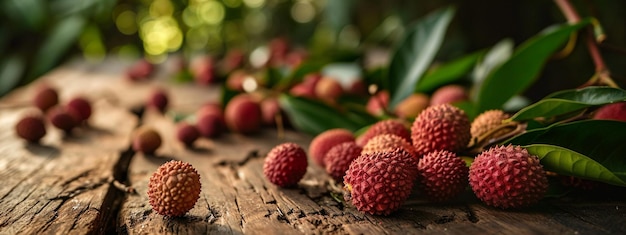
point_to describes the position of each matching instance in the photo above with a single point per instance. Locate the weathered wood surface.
(68, 184)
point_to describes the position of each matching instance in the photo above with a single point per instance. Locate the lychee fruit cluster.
(174, 188)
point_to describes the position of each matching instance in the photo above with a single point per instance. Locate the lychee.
(203, 70)
(45, 98)
(270, 109)
(615, 111)
(339, 157)
(387, 142)
(389, 126)
(80, 107)
(235, 80)
(442, 175)
(146, 140)
(210, 125)
(187, 133)
(488, 121)
(285, 164)
(31, 128)
(158, 100)
(243, 114)
(441, 127)
(307, 87)
(174, 188)
(378, 183)
(412, 106)
(328, 89)
(61, 118)
(325, 141)
(140, 70)
(377, 104)
(508, 177)
(448, 94)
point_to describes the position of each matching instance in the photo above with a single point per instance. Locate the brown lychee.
(243, 114)
(387, 142)
(81, 108)
(442, 175)
(441, 127)
(615, 111)
(187, 133)
(389, 126)
(325, 141)
(61, 118)
(339, 157)
(487, 121)
(378, 183)
(508, 177)
(31, 128)
(285, 164)
(448, 94)
(146, 140)
(412, 106)
(45, 98)
(174, 188)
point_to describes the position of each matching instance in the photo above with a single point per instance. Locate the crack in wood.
(470, 214)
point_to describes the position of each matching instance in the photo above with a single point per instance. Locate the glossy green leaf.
(448, 72)
(314, 117)
(567, 162)
(62, 36)
(415, 54)
(599, 140)
(568, 101)
(11, 70)
(521, 70)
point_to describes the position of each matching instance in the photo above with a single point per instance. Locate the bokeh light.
(303, 11)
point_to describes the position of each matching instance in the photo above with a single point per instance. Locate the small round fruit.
(412, 106)
(378, 183)
(616, 111)
(442, 175)
(441, 127)
(338, 159)
(140, 70)
(31, 128)
(81, 107)
(325, 141)
(448, 94)
(174, 188)
(210, 125)
(389, 126)
(146, 140)
(388, 142)
(488, 121)
(377, 103)
(508, 177)
(328, 89)
(62, 118)
(243, 114)
(45, 98)
(158, 100)
(187, 133)
(285, 164)
(270, 109)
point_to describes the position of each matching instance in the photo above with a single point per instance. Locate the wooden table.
(81, 183)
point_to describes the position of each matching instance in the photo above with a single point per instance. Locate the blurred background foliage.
(37, 35)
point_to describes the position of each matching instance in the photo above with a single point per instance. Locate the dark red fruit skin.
(338, 159)
(159, 100)
(285, 164)
(81, 107)
(63, 119)
(45, 98)
(140, 71)
(243, 114)
(203, 70)
(616, 111)
(146, 140)
(270, 109)
(210, 125)
(389, 126)
(187, 133)
(31, 128)
(322, 143)
(307, 87)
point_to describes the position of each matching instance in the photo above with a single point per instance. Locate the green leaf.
(11, 70)
(599, 140)
(448, 72)
(495, 57)
(416, 53)
(62, 36)
(314, 117)
(520, 71)
(567, 162)
(569, 101)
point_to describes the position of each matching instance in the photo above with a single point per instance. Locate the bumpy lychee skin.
(61, 118)
(325, 141)
(488, 121)
(388, 142)
(378, 183)
(45, 98)
(187, 133)
(285, 164)
(508, 177)
(338, 159)
(448, 94)
(146, 140)
(616, 111)
(81, 107)
(389, 126)
(174, 188)
(442, 175)
(243, 114)
(31, 128)
(441, 127)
